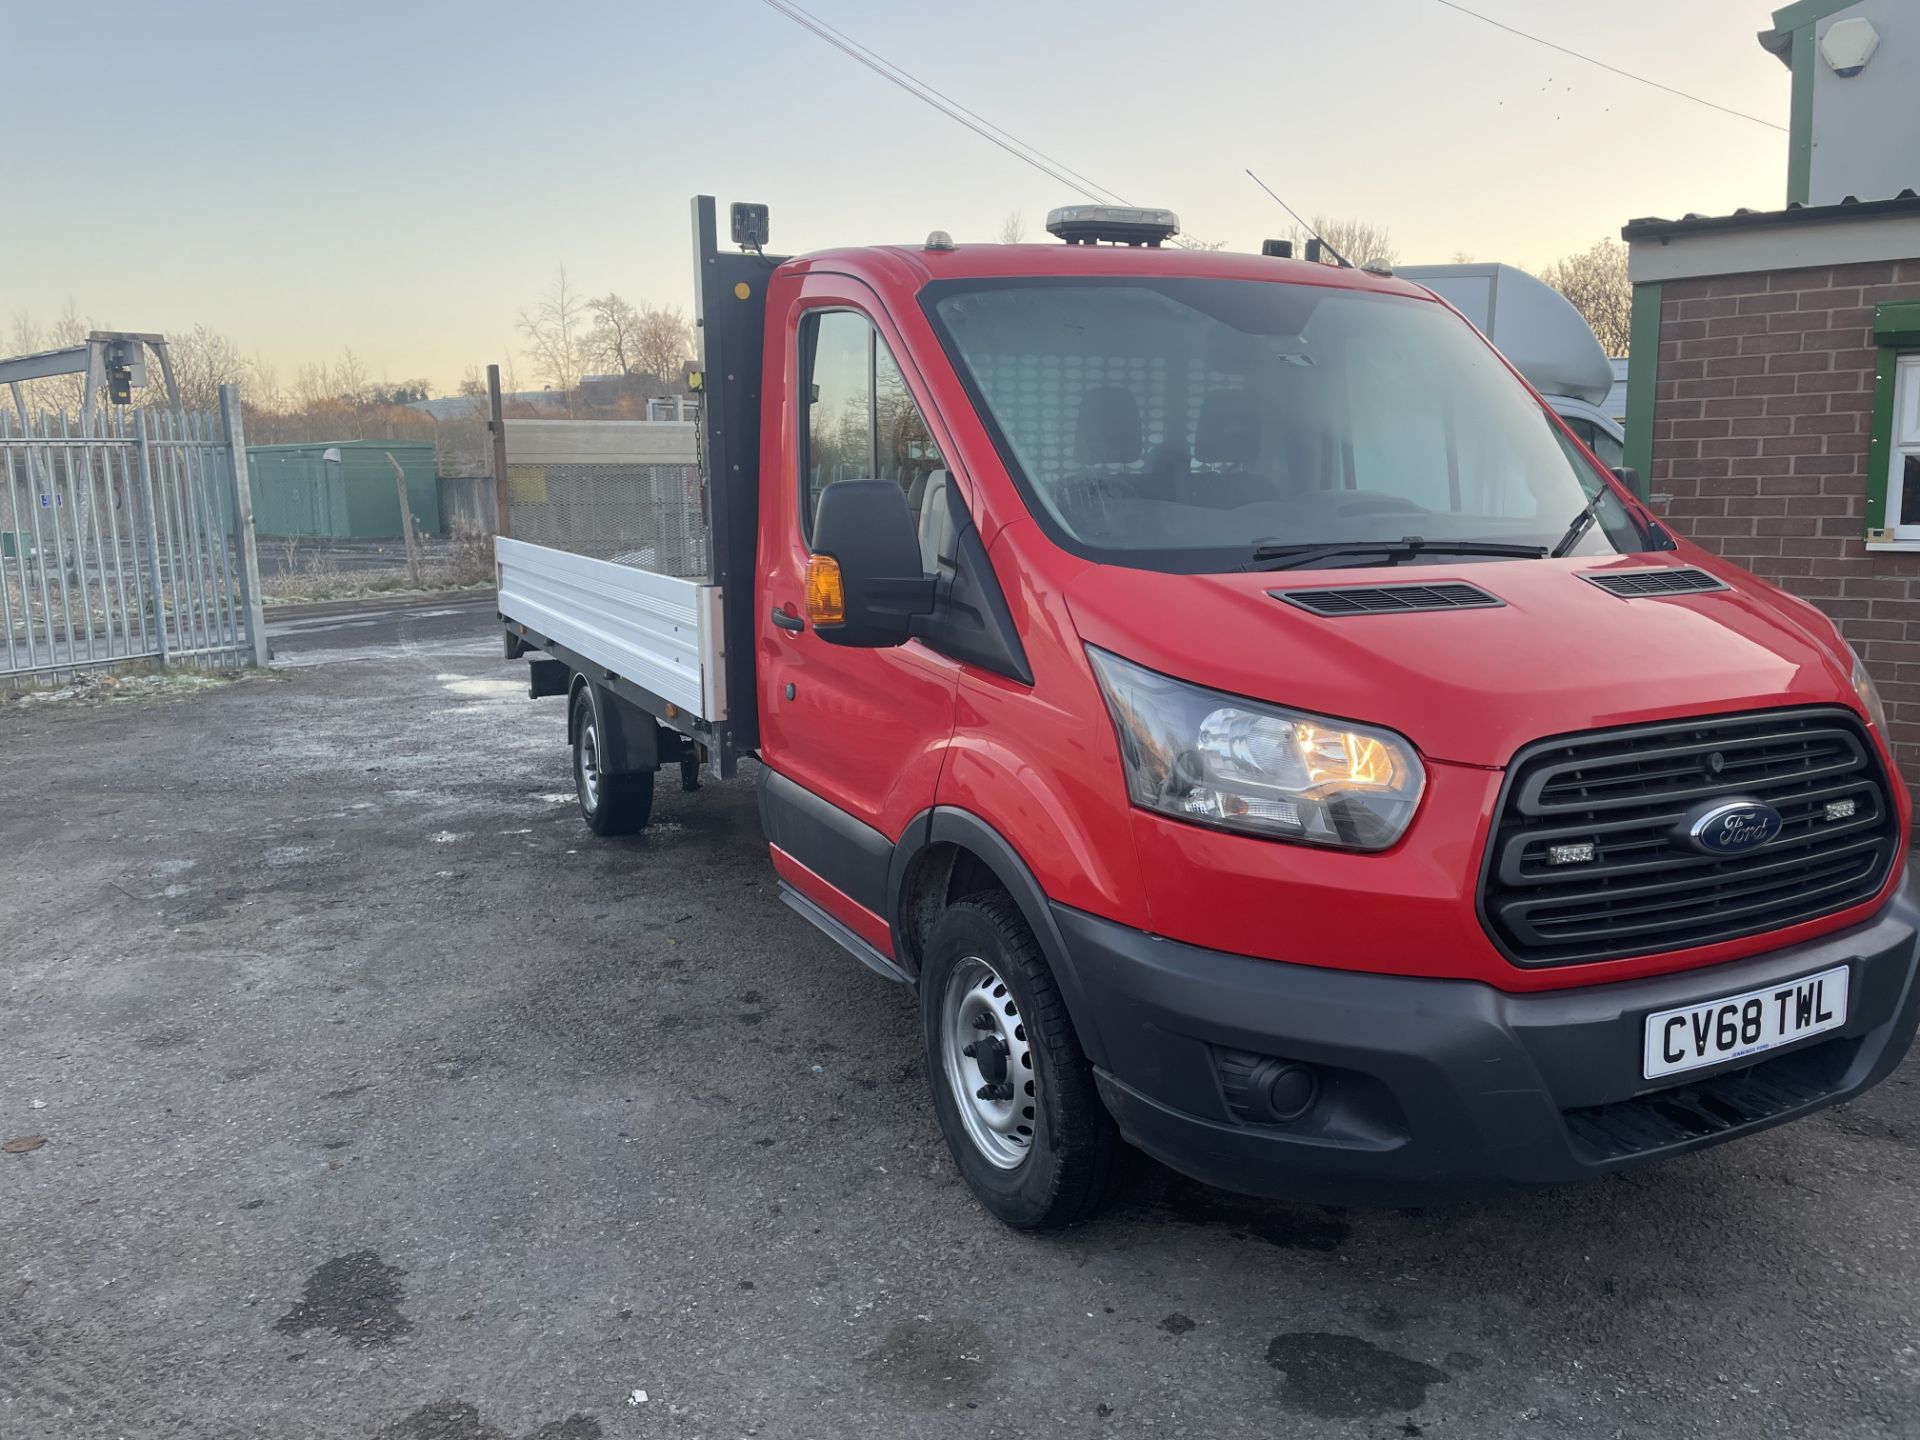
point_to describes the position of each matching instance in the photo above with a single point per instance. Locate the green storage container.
(344, 488)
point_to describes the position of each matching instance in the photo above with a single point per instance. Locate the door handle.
(787, 620)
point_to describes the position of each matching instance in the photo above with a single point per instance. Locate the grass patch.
(101, 687)
(465, 564)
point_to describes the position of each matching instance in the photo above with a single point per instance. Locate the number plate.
(1745, 1024)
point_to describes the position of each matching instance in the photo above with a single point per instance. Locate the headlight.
(1869, 694)
(1242, 765)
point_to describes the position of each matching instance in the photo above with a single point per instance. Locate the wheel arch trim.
(632, 746)
(949, 825)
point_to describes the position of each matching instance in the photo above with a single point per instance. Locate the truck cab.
(1261, 733)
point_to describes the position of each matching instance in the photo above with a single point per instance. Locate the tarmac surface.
(379, 1099)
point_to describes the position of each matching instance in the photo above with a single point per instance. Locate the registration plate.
(1746, 1024)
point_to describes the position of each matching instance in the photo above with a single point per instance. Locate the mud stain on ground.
(933, 1362)
(1291, 1227)
(1342, 1377)
(357, 1297)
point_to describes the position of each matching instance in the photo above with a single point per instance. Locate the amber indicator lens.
(826, 595)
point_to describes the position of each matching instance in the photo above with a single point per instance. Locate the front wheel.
(610, 804)
(1012, 1088)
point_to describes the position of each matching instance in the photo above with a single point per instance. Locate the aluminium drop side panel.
(730, 309)
(657, 632)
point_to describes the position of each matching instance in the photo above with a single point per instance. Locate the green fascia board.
(1800, 120)
(1880, 448)
(1808, 12)
(1796, 22)
(1643, 346)
(1897, 323)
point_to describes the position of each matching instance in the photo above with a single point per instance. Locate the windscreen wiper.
(1391, 552)
(1579, 525)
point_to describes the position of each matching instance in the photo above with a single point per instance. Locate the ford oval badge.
(1728, 827)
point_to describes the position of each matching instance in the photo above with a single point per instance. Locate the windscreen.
(1185, 424)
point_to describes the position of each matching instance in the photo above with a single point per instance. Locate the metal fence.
(466, 503)
(126, 536)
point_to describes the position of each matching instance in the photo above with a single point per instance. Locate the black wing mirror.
(864, 583)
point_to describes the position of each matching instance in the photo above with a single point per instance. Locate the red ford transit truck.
(1258, 729)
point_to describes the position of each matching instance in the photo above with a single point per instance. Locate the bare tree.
(58, 392)
(24, 338)
(262, 385)
(312, 386)
(203, 361)
(663, 343)
(1013, 229)
(350, 382)
(611, 342)
(1360, 241)
(556, 331)
(1596, 282)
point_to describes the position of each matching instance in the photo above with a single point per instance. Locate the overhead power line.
(913, 84)
(1057, 170)
(1611, 69)
(952, 109)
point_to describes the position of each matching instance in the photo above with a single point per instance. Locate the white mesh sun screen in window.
(1038, 398)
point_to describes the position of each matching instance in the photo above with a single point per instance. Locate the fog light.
(1570, 854)
(1842, 809)
(1291, 1091)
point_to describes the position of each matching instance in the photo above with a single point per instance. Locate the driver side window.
(860, 423)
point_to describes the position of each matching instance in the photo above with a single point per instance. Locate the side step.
(834, 930)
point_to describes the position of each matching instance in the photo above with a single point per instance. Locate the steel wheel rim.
(978, 1012)
(590, 767)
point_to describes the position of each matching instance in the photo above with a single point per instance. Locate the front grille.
(1388, 599)
(1608, 803)
(1713, 1106)
(1632, 583)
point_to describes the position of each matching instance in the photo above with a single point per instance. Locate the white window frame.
(1903, 442)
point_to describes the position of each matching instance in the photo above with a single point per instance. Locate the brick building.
(1783, 414)
(1773, 405)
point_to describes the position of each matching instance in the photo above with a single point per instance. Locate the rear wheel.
(610, 804)
(1011, 1087)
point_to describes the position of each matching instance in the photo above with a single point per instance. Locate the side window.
(1903, 450)
(861, 422)
(1609, 450)
(836, 356)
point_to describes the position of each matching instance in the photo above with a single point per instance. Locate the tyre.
(1012, 1089)
(610, 804)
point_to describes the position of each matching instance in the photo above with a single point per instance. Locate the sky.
(402, 177)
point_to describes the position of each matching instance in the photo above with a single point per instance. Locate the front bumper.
(1430, 1086)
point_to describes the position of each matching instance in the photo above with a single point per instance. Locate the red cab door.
(852, 740)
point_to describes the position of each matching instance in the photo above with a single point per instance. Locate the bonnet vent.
(1631, 584)
(1388, 599)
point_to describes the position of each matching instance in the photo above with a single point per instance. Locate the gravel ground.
(379, 1099)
